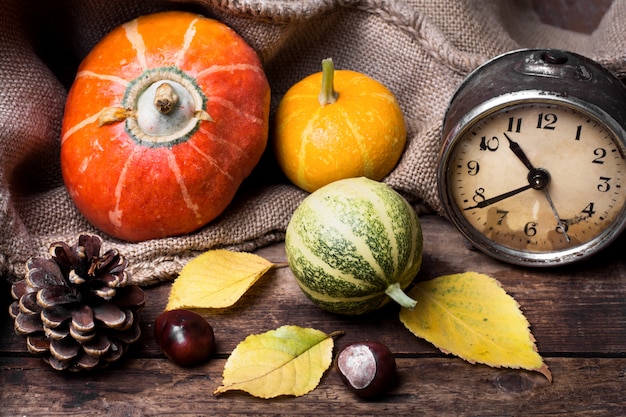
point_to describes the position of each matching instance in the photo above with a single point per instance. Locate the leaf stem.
(328, 95)
(336, 334)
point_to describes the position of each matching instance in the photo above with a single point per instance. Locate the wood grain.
(427, 386)
(577, 314)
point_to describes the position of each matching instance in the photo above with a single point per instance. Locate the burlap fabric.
(420, 49)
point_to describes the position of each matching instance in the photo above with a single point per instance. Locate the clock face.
(537, 178)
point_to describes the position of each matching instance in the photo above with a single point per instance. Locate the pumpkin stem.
(165, 98)
(395, 292)
(328, 95)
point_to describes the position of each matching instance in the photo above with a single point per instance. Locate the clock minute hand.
(500, 197)
(517, 150)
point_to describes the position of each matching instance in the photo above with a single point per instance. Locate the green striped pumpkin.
(354, 244)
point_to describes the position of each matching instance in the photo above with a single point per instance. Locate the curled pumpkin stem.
(328, 95)
(165, 98)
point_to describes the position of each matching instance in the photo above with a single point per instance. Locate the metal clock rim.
(496, 250)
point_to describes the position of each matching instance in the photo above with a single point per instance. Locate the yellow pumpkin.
(338, 124)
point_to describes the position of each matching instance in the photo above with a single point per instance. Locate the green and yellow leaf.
(290, 360)
(216, 279)
(471, 316)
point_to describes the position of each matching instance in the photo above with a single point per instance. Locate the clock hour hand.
(517, 150)
(500, 197)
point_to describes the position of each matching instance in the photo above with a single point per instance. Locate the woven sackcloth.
(420, 49)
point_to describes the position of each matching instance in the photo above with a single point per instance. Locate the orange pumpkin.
(167, 116)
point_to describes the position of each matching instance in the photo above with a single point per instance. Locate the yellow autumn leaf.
(471, 316)
(216, 279)
(290, 360)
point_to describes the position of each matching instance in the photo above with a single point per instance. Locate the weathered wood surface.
(577, 314)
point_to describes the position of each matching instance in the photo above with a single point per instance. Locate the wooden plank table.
(577, 314)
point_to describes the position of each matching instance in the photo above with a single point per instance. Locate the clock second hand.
(517, 150)
(556, 214)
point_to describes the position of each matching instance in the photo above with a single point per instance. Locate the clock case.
(532, 76)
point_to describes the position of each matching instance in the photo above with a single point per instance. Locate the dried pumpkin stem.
(165, 99)
(328, 95)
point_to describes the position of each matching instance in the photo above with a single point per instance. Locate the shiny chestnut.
(185, 337)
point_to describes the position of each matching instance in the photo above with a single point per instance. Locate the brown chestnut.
(185, 337)
(368, 368)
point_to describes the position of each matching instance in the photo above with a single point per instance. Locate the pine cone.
(76, 309)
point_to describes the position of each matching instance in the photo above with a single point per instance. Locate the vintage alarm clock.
(532, 169)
